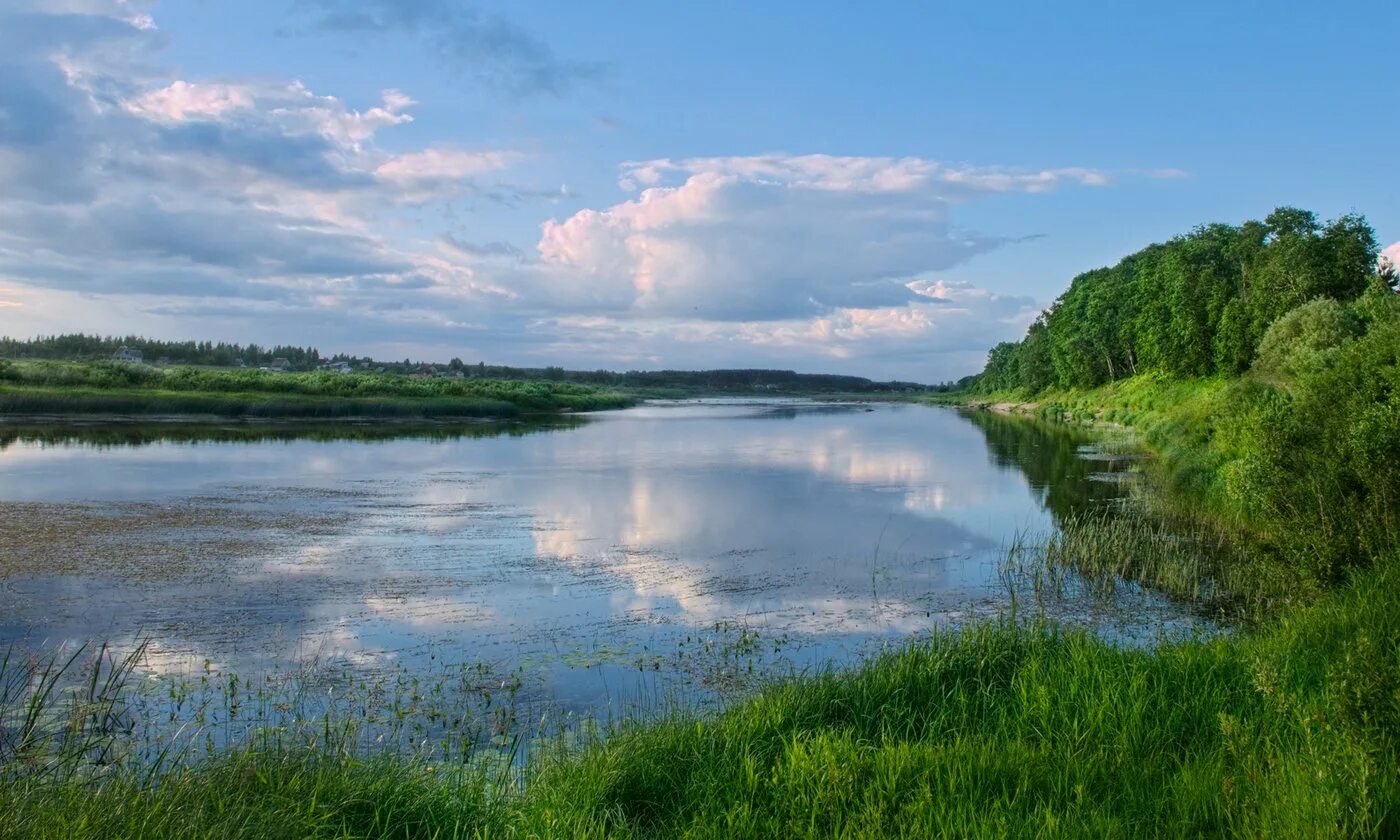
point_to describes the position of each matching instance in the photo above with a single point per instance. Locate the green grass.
(64, 388)
(1190, 560)
(1299, 488)
(994, 731)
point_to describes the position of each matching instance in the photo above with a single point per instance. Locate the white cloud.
(263, 210)
(772, 237)
(117, 179)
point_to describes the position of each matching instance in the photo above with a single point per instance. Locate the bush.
(1317, 467)
(1305, 340)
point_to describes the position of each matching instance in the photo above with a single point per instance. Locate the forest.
(1201, 304)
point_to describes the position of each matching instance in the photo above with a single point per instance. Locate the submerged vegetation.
(1259, 364)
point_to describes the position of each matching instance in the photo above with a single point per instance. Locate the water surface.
(575, 556)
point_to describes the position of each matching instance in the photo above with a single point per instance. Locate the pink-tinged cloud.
(1392, 253)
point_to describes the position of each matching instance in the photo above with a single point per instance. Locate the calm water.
(577, 557)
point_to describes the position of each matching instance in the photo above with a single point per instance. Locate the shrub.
(1305, 340)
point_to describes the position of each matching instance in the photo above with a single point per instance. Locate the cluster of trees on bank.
(1195, 306)
(1290, 330)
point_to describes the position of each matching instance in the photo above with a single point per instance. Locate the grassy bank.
(65, 388)
(994, 731)
(1290, 728)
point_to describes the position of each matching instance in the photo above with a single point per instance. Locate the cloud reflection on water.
(832, 524)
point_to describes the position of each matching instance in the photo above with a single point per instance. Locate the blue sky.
(880, 189)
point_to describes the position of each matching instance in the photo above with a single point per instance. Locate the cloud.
(116, 178)
(931, 339)
(1392, 253)
(132, 199)
(774, 237)
(497, 52)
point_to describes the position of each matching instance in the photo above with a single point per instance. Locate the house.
(280, 364)
(163, 361)
(126, 354)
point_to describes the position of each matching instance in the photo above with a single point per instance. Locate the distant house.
(127, 354)
(337, 367)
(280, 364)
(163, 361)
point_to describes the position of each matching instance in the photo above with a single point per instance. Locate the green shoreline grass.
(30, 389)
(997, 730)
(1287, 728)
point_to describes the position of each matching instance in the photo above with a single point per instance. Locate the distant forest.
(1198, 305)
(87, 348)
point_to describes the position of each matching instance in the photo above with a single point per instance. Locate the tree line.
(81, 347)
(1197, 305)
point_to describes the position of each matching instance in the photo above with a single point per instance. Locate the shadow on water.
(106, 433)
(1063, 464)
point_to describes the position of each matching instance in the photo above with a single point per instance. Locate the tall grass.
(996, 730)
(63, 715)
(1188, 560)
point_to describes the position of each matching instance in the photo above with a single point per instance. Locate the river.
(593, 565)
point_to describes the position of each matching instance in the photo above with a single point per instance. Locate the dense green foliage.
(1305, 340)
(1195, 306)
(1303, 463)
(1301, 452)
(109, 435)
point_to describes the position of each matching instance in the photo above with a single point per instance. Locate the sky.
(882, 189)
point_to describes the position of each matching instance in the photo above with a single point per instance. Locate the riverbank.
(999, 730)
(1288, 728)
(66, 389)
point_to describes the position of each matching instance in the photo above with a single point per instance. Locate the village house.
(127, 354)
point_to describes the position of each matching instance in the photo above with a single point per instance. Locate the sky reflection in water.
(835, 526)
